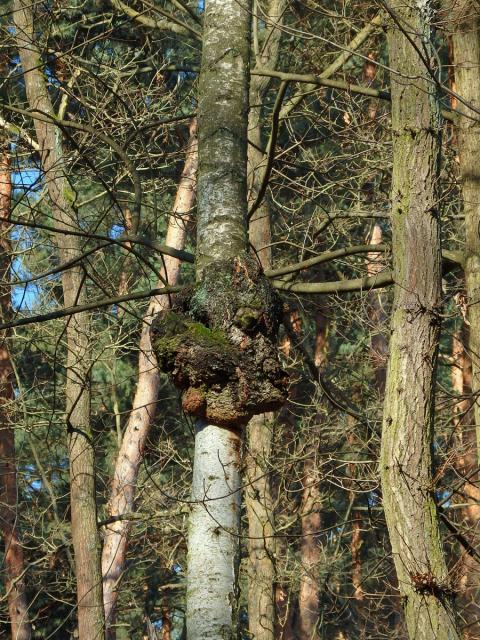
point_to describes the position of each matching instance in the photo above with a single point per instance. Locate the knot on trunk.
(219, 344)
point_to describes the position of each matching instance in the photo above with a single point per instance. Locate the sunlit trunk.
(13, 559)
(85, 534)
(130, 455)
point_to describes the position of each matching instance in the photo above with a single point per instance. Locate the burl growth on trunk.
(219, 344)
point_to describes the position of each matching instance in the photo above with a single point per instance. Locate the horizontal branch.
(185, 256)
(334, 84)
(14, 130)
(91, 306)
(325, 257)
(367, 283)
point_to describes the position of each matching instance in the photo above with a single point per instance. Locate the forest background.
(138, 140)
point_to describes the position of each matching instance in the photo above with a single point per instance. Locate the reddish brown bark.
(122, 500)
(468, 568)
(14, 561)
(377, 315)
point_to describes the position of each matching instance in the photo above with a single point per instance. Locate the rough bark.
(407, 437)
(13, 560)
(224, 269)
(85, 534)
(222, 119)
(122, 499)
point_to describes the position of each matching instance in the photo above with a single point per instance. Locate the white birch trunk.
(213, 536)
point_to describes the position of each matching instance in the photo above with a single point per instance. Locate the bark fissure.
(407, 437)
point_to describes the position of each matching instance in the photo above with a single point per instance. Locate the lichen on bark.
(219, 344)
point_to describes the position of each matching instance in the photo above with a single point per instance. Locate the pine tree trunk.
(214, 527)
(261, 529)
(14, 562)
(122, 500)
(465, 462)
(465, 26)
(407, 437)
(85, 534)
(466, 52)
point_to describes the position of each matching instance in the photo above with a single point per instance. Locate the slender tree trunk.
(258, 497)
(261, 528)
(407, 437)
(468, 569)
(464, 22)
(311, 521)
(14, 562)
(378, 316)
(214, 528)
(85, 534)
(309, 596)
(122, 500)
(466, 52)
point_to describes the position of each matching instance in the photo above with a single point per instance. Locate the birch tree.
(225, 360)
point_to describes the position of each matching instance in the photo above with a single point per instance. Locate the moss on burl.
(219, 344)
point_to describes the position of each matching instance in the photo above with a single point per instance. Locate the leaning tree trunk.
(14, 562)
(407, 437)
(85, 534)
(122, 500)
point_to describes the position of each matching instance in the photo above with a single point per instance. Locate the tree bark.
(407, 437)
(85, 534)
(465, 24)
(309, 595)
(261, 528)
(258, 497)
(122, 499)
(465, 463)
(214, 527)
(14, 561)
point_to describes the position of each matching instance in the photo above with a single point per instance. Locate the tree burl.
(218, 344)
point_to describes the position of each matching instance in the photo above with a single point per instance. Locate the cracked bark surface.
(407, 436)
